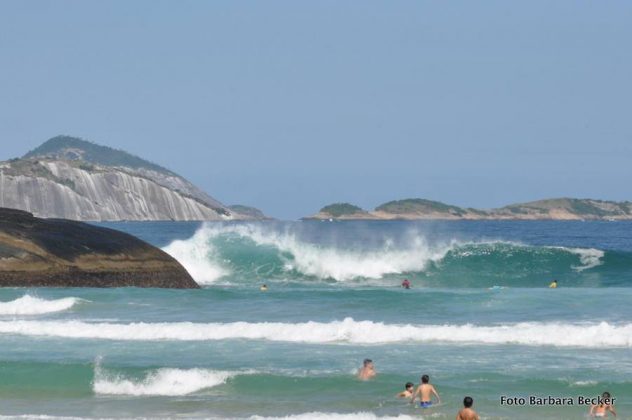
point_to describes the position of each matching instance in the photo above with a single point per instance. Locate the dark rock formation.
(38, 252)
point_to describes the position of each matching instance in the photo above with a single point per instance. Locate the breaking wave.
(589, 335)
(29, 305)
(588, 258)
(198, 256)
(250, 252)
(164, 381)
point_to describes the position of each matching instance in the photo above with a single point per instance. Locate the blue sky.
(292, 105)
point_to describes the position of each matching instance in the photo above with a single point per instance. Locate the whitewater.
(30, 305)
(262, 252)
(346, 331)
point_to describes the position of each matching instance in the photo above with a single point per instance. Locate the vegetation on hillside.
(248, 211)
(63, 146)
(419, 205)
(341, 209)
(581, 207)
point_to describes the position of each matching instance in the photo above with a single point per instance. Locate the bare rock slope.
(71, 178)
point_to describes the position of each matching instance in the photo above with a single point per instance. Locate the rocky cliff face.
(73, 179)
(38, 252)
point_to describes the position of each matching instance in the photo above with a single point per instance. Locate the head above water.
(409, 385)
(425, 379)
(468, 402)
(367, 362)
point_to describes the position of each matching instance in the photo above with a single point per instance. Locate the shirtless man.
(467, 413)
(601, 410)
(408, 391)
(425, 391)
(367, 371)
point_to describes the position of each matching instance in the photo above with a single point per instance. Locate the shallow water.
(231, 351)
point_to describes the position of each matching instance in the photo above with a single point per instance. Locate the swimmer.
(553, 285)
(605, 406)
(425, 391)
(408, 391)
(263, 288)
(367, 371)
(467, 413)
(406, 284)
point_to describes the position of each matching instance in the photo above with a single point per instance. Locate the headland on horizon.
(423, 209)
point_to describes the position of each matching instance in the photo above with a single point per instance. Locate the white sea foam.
(304, 416)
(336, 416)
(202, 258)
(198, 256)
(596, 335)
(29, 305)
(588, 257)
(164, 381)
(583, 383)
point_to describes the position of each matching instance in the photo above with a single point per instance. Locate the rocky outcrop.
(249, 211)
(74, 179)
(422, 209)
(37, 252)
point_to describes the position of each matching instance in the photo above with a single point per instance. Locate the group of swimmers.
(425, 392)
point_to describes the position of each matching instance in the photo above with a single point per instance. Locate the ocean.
(479, 319)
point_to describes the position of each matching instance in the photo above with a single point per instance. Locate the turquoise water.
(231, 351)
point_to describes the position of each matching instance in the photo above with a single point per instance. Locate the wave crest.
(29, 305)
(247, 252)
(595, 335)
(164, 381)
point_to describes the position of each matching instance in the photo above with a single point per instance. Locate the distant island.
(37, 252)
(422, 209)
(249, 211)
(71, 178)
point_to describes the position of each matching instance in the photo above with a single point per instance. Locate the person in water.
(425, 391)
(263, 288)
(406, 284)
(604, 407)
(467, 413)
(408, 391)
(553, 285)
(367, 371)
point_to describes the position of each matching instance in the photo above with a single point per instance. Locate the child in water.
(467, 413)
(408, 391)
(425, 391)
(367, 371)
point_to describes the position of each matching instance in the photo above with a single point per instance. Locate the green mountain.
(74, 148)
(419, 205)
(253, 212)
